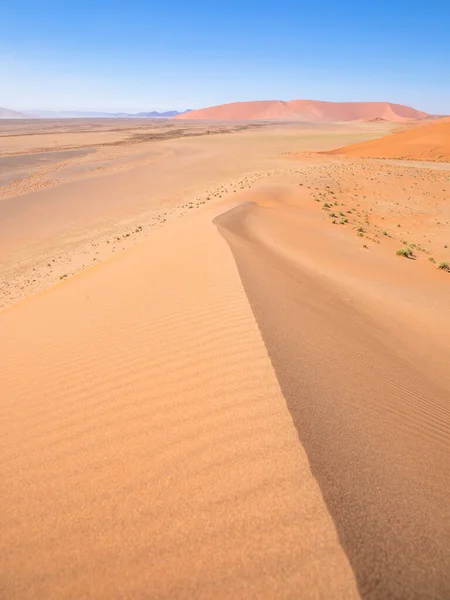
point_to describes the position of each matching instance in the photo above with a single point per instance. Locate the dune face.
(7, 113)
(306, 110)
(425, 142)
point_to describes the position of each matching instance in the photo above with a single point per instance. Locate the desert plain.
(218, 377)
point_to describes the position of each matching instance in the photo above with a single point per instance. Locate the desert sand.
(218, 378)
(429, 141)
(306, 110)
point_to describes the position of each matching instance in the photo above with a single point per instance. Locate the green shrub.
(406, 252)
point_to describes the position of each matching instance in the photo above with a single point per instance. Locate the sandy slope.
(306, 110)
(425, 142)
(148, 452)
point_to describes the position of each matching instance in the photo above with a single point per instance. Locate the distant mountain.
(166, 115)
(73, 114)
(6, 113)
(70, 114)
(306, 110)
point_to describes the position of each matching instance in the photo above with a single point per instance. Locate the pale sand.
(66, 215)
(188, 421)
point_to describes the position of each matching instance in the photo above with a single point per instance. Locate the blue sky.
(137, 55)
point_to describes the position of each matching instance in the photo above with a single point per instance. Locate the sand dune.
(244, 398)
(425, 142)
(306, 110)
(149, 452)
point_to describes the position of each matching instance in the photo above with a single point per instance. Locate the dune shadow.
(364, 419)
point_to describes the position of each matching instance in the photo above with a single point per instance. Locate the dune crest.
(306, 110)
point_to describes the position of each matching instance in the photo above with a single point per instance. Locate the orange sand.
(425, 142)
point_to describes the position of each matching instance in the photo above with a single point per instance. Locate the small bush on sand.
(444, 266)
(406, 252)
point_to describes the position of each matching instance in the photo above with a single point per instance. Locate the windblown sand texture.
(229, 393)
(306, 110)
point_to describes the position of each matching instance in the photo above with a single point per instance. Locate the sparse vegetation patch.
(405, 252)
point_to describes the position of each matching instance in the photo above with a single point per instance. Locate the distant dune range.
(307, 110)
(425, 142)
(265, 110)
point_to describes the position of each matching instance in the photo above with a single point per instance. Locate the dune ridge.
(306, 110)
(149, 452)
(429, 141)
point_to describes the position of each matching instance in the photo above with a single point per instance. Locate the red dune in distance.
(425, 142)
(306, 110)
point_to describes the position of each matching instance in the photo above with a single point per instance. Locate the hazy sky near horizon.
(144, 55)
